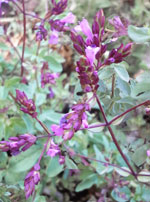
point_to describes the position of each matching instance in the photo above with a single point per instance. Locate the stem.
(43, 126)
(27, 14)
(113, 85)
(24, 38)
(93, 159)
(44, 149)
(114, 139)
(94, 126)
(129, 110)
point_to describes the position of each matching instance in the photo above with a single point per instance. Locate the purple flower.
(61, 159)
(53, 149)
(17, 144)
(48, 78)
(57, 130)
(51, 93)
(86, 29)
(69, 18)
(72, 122)
(32, 179)
(91, 53)
(148, 153)
(59, 7)
(28, 104)
(117, 55)
(54, 37)
(60, 25)
(121, 27)
(41, 33)
(147, 110)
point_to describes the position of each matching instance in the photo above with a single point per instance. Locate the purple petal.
(91, 53)
(70, 18)
(86, 29)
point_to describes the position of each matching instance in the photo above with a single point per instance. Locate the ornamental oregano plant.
(100, 82)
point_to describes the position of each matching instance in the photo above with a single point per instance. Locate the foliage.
(67, 133)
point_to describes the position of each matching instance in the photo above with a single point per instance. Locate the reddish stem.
(129, 110)
(43, 126)
(114, 138)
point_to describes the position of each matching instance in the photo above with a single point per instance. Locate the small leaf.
(54, 65)
(97, 129)
(54, 168)
(144, 178)
(122, 72)
(121, 172)
(87, 183)
(70, 164)
(139, 34)
(25, 160)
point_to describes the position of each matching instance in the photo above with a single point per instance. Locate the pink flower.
(53, 149)
(32, 179)
(54, 37)
(58, 131)
(27, 105)
(148, 153)
(86, 29)
(91, 53)
(48, 78)
(69, 18)
(18, 144)
(120, 26)
(59, 7)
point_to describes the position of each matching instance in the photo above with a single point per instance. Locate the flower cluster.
(18, 144)
(121, 27)
(88, 76)
(54, 150)
(59, 7)
(47, 77)
(92, 49)
(32, 179)
(59, 26)
(72, 122)
(28, 104)
(41, 33)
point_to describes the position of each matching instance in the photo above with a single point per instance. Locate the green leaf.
(29, 123)
(122, 72)
(40, 99)
(123, 86)
(54, 65)
(54, 168)
(25, 160)
(144, 178)
(12, 82)
(139, 157)
(96, 130)
(40, 199)
(70, 164)
(139, 34)
(87, 183)
(121, 194)
(122, 172)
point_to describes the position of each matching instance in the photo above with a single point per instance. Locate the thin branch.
(113, 85)
(43, 126)
(93, 159)
(114, 138)
(44, 149)
(129, 110)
